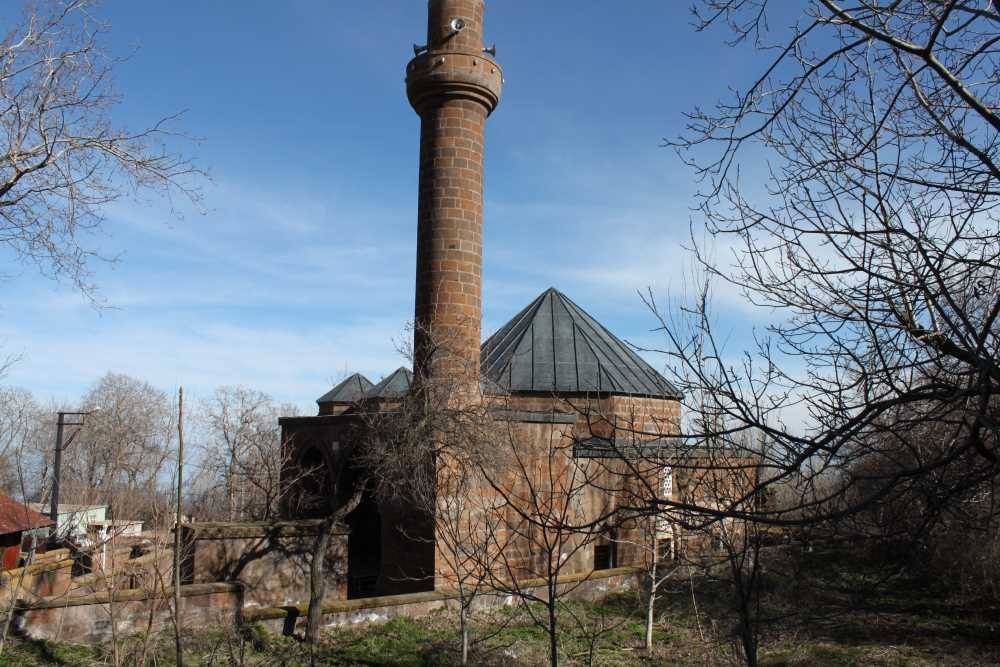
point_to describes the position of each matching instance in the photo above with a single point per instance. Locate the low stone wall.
(270, 559)
(46, 577)
(88, 618)
(586, 586)
(51, 575)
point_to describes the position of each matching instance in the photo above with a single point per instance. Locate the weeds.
(896, 623)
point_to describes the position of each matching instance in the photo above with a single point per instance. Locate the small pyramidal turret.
(394, 385)
(344, 395)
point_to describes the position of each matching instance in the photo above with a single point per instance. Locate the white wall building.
(73, 520)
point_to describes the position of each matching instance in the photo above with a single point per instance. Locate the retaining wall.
(88, 618)
(583, 586)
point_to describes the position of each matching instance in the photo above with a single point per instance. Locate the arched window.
(314, 482)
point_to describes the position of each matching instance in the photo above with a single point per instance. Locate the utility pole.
(56, 467)
(61, 423)
(178, 647)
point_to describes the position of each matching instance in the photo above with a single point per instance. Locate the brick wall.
(450, 237)
(542, 430)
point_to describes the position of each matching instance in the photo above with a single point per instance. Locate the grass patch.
(31, 653)
(844, 615)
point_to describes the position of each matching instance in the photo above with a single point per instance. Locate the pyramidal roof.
(350, 390)
(393, 386)
(553, 345)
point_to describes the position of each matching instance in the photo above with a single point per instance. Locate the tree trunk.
(650, 614)
(112, 612)
(463, 621)
(179, 515)
(651, 600)
(317, 584)
(231, 486)
(553, 638)
(749, 645)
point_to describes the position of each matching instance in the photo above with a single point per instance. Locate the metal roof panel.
(554, 345)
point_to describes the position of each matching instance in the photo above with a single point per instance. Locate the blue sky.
(302, 268)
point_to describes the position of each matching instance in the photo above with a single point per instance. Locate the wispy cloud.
(303, 265)
(278, 296)
(289, 363)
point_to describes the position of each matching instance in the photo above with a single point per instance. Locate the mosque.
(553, 373)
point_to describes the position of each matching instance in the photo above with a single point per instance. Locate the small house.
(18, 524)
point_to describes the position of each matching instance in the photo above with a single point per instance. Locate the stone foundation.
(337, 613)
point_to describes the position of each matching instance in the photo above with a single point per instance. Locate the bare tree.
(508, 508)
(872, 237)
(729, 549)
(242, 450)
(659, 565)
(62, 157)
(333, 509)
(433, 453)
(938, 525)
(20, 422)
(553, 511)
(465, 520)
(123, 449)
(693, 499)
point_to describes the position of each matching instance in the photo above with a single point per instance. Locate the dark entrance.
(364, 549)
(606, 550)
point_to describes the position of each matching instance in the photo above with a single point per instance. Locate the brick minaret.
(454, 86)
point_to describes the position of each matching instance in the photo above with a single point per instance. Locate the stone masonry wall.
(270, 560)
(543, 429)
(91, 619)
(588, 586)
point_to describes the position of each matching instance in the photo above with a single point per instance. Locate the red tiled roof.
(16, 517)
